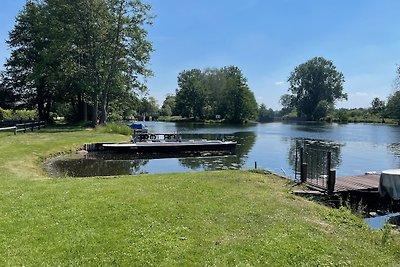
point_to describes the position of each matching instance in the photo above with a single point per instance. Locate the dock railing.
(315, 168)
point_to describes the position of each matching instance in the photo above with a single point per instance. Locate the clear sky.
(267, 39)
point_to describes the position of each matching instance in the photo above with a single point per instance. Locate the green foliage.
(321, 110)
(91, 52)
(115, 128)
(229, 218)
(264, 114)
(149, 107)
(314, 81)
(8, 114)
(393, 106)
(377, 106)
(288, 104)
(168, 107)
(191, 96)
(223, 92)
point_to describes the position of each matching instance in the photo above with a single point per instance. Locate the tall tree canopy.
(82, 52)
(393, 102)
(206, 94)
(393, 106)
(315, 86)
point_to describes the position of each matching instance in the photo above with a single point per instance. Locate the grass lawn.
(222, 218)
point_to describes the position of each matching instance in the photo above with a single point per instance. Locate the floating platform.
(172, 146)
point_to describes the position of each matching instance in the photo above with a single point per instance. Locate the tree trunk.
(103, 118)
(94, 109)
(85, 111)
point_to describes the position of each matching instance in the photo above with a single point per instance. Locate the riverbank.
(208, 218)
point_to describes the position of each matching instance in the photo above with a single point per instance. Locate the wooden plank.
(8, 128)
(352, 183)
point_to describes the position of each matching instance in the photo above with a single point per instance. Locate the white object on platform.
(389, 183)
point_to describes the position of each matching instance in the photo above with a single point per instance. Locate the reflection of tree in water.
(315, 155)
(395, 149)
(221, 160)
(86, 167)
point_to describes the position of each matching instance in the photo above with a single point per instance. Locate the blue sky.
(267, 39)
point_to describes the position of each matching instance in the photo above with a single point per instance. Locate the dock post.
(303, 174)
(331, 181)
(329, 162)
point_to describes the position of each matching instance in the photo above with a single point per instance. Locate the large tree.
(191, 97)
(315, 85)
(239, 101)
(393, 106)
(393, 102)
(85, 52)
(206, 94)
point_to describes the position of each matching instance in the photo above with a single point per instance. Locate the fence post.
(255, 164)
(15, 130)
(303, 173)
(331, 181)
(329, 162)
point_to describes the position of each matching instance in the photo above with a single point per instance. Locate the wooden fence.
(23, 127)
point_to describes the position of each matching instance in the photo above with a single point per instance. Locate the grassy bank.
(209, 218)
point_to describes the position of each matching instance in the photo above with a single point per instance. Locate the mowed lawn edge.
(219, 218)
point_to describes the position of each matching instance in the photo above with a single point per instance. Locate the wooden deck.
(343, 184)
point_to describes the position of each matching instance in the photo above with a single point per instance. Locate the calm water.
(356, 149)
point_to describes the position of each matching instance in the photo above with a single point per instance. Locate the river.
(356, 149)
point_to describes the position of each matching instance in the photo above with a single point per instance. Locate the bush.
(14, 115)
(115, 127)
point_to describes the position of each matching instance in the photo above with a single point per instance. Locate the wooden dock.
(363, 183)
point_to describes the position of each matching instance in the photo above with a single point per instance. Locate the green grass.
(210, 218)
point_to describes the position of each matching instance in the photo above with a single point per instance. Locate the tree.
(168, 106)
(223, 92)
(287, 101)
(191, 94)
(149, 107)
(312, 82)
(239, 101)
(393, 106)
(264, 114)
(82, 52)
(377, 106)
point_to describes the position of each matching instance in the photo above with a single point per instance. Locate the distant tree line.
(81, 58)
(212, 94)
(316, 85)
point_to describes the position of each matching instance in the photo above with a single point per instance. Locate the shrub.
(115, 127)
(8, 114)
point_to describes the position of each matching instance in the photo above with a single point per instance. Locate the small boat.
(138, 127)
(145, 142)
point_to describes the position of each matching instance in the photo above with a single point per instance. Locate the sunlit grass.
(210, 218)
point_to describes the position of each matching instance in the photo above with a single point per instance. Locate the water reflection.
(356, 148)
(315, 154)
(94, 166)
(113, 163)
(395, 148)
(246, 141)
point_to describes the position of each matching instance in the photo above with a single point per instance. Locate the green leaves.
(312, 82)
(212, 92)
(84, 51)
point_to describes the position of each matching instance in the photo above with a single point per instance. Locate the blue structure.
(137, 126)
